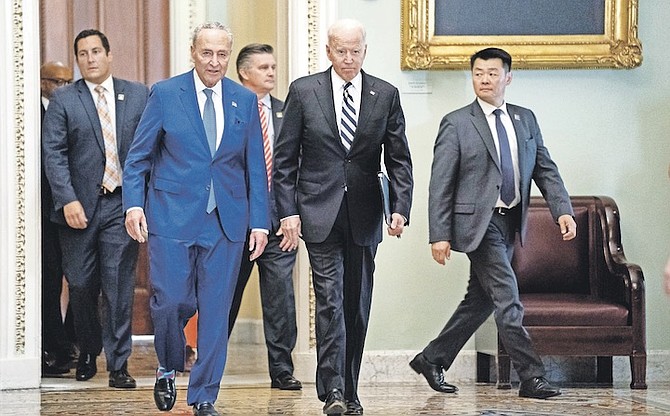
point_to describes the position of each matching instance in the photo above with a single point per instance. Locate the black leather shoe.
(120, 379)
(86, 367)
(286, 382)
(537, 388)
(354, 408)
(165, 393)
(432, 373)
(335, 404)
(53, 365)
(204, 409)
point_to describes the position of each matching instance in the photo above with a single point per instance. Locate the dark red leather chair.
(582, 297)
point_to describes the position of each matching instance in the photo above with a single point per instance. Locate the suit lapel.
(91, 111)
(368, 100)
(482, 127)
(521, 132)
(229, 111)
(324, 95)
(120, 106)
(189, 103)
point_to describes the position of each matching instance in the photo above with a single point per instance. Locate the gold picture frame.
(618, 47)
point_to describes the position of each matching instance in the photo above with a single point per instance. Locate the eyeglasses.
(59, 82)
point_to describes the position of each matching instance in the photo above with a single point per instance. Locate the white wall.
(606, 129)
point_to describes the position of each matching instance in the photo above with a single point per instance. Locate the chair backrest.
(546, 263)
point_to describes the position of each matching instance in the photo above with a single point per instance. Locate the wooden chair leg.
(503, 368)
(604, 370)
(483, 367)
(638, 371)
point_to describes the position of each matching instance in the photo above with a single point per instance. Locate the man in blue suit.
(87, 132)
(195, 184)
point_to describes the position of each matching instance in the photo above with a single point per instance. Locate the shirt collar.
(338, 82)
(200, 86)
(488, 109)
(108, 84)
(266, 101)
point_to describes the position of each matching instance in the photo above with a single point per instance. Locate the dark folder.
(386, 197)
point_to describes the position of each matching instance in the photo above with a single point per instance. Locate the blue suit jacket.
(73, 147)
(169, 167)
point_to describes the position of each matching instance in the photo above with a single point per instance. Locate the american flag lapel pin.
(516, 117)
(234, 103)
(120, 97)
(279, 114)
(372, 93)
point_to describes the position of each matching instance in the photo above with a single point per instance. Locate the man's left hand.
(257, 242)
(568, 227)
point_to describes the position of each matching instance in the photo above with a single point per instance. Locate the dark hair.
(245, 54)
(91, 32)
(492, 53)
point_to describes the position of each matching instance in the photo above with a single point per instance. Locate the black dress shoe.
(120, 379)
(286, 382)
(335, 404)
(86, 367)
(204, 409)
(537, 388)
(354, 408)
(432, 373)
(53, 365)
(165, 393)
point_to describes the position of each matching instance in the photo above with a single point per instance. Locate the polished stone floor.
(246, 391)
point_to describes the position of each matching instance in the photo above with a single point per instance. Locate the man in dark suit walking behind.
(256, 68)
(485, 156)
(337, 125)
(88, 128)
(57, 345)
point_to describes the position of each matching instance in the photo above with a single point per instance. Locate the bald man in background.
(57, 344)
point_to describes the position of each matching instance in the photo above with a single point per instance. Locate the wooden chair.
(582, 297)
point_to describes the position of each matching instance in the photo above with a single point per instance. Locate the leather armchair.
(582, 297)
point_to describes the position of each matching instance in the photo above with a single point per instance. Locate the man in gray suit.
(87, 132)
(337, 125)
(256, 67)
(485, 156)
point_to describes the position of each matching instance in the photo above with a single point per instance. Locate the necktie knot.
(100, 89)
(208, 92)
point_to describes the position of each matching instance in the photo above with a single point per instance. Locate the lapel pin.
(234, 103)
(516, 117)
(120, 97)
(372, 93)
(279, 114)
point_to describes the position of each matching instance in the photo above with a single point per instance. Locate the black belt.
(505, 211)
(106, 192)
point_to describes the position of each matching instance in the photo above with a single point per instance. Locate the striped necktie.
(112, 176)
(267, 149)
(348, 119)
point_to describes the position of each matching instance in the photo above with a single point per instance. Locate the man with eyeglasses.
(57, 343)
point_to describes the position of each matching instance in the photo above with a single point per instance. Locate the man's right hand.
(75, 215)
(136, 225)
(441, 251)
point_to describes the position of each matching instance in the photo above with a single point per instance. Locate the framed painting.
(539, 34)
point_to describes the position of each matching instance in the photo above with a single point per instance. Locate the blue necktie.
(209, 120)
(507, 192)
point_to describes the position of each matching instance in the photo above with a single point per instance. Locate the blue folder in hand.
(386, 197)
